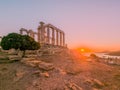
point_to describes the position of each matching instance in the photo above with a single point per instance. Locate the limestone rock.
(13, 52)
(95, 83)
(3, 57)
(19, 75)
(98, 83)
(72, 86)
(35, 83)
(95, 89)
(45, 74)
(20, 53)
(88, 81)
(31, 62)
(30, 52)
(73, 69)
(14, 57)
(46, 66)
(61, 71)
(31, 56)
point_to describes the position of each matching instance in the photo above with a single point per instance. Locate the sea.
(103, 55)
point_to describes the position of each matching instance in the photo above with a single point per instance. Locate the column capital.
(41, 23)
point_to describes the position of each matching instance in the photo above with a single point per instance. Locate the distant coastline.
(115, 53)
(105, 55)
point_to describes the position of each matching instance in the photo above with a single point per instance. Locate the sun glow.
(82, 50)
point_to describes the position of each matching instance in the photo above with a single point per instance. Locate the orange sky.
(93, 24)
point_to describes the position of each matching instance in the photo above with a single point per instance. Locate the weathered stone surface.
(30, 52)
(31, 56)
(35, 83)
(19, 75)
(13, 52)
(14, 57)
(97, 83)
(37, 63)
(88, 81)
(20, 53)
(46, 66)
(94, 82)
(73, 69)
(31, 62)
(45, 74)
(61, 71)
(72, 86)
(3, 58)
(95, 89)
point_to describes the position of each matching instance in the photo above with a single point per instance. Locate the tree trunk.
(23, 53)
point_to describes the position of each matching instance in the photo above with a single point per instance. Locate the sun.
(82, 50)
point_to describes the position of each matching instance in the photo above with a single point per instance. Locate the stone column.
(38, 34)
(53, 37)
(63, 39)
(60, 38)
(31, 33)
(48, 35)
(56, 37)
(21, 32)
(41, 32)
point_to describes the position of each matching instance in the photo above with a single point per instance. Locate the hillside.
(58, 72)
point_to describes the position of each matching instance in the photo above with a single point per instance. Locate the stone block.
(14, 57)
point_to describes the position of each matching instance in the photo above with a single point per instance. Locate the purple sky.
(91, 23)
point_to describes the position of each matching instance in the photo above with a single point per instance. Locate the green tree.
(29, 43)
(17, 41)
(12, 40)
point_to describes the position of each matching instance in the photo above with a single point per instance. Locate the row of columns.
(47, 34)
(59, 40)
(28, 32)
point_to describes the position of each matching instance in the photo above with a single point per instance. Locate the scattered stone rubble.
(14, 57)
(94, 83)
(72, 86)
(37, 63)
(19, 75)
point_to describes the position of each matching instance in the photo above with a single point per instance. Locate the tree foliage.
(17, 41)
(29, 43)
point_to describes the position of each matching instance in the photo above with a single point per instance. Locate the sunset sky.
(87, 23)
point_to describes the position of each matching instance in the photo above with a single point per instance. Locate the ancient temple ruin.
(47, 34)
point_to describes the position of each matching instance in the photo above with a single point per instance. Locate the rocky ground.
(58, 72)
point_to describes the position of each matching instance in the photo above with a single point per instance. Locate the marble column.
(53, 37)
(41, 32)
(38, 34)
(48, 35)
(63, 39)
(60, 38)
(56, 37)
